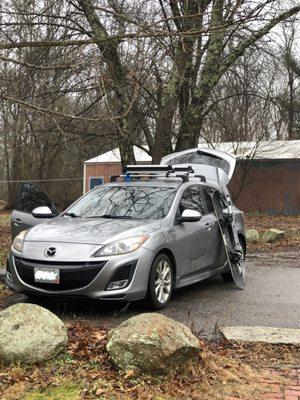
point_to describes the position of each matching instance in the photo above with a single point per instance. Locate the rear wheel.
(160, 284)
(227, 275)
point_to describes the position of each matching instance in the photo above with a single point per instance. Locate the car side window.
(208, 200)
(192, 200)
(220, 199)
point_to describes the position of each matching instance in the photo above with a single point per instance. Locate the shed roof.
(274, 149)
(113, 156)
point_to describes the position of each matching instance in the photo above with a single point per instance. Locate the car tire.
(227, 275)
(160, 283)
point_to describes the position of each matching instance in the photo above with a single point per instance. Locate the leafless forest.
(79, 77)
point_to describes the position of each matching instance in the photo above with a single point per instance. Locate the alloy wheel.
(163, 281)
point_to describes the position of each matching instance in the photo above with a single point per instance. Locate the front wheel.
(161, 281)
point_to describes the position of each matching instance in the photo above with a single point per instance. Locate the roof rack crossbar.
(157, 168)
(147, 168)
(184, 177)
(138, 175)
(160, 171)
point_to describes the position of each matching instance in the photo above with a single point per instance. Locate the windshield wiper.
(73, 215)
(112, 216)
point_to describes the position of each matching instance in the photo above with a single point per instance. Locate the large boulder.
(3, 205)
(272, 235)
(152, 343)
(252, 236)
(30, 333)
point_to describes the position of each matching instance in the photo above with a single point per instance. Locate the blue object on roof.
(96, 181)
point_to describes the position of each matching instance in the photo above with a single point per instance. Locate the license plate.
(46, 275)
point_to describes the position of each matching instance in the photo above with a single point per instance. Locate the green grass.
(69, 391)
(3, 255)
(4, 219)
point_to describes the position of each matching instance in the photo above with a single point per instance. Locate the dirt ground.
(4, 237)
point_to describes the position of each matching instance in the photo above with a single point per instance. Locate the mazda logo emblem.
(50, 252)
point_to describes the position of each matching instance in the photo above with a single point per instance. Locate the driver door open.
(30, 196)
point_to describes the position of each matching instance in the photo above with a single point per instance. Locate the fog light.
(9, 277)
(117, 285)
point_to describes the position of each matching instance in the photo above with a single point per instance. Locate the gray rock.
(272, 235)
(252, 236)
(152, 343)
(3, 205)
(30, 333)
(262, 334)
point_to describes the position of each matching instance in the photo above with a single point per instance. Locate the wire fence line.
(43, 180)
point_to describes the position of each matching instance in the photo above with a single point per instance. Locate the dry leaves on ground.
(5, 240)
(262, 222)
(223, 369)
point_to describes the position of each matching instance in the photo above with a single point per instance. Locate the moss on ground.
(68, 391)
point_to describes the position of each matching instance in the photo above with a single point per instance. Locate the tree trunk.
(190, 124)
(126, 153)
(162, 143)
(123, 109)
(291, 107)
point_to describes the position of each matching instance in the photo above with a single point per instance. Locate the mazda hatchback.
(140, 237)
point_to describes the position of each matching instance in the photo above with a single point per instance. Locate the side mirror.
(190, 216)
(42, 212)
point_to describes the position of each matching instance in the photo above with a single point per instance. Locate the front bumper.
(83, 279)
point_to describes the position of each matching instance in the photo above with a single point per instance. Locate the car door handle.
(17, 221)
(208, 226)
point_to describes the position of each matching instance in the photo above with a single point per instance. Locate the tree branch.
(42, 67)
(243, 46)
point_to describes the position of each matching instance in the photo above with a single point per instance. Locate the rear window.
(196, 158)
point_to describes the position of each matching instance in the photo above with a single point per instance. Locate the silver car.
(138, 238)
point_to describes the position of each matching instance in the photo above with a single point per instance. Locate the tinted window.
(32, 196)
(209, 205)
(220, 200)
(192, 199)
(196, 158)
(223, 201)
(142, 202)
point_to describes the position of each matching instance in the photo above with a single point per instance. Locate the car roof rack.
(157, 168)
(202, 177)
(160, 171)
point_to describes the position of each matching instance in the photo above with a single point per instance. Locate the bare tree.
(79, 77)
(289, 96)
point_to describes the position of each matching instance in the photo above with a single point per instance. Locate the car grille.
(73, 275)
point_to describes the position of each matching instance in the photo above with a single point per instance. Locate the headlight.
(18, 241)
(122, 246)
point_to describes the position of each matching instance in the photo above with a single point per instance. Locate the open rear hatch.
(217, 166)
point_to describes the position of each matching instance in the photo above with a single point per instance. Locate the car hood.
(89, 230)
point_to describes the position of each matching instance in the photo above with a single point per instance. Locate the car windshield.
(132, 202)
